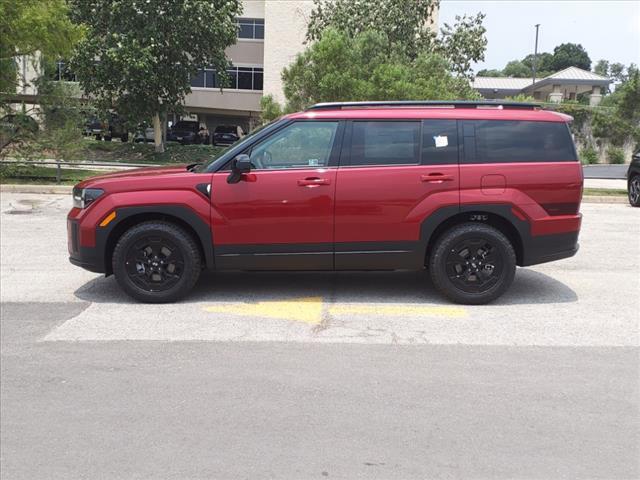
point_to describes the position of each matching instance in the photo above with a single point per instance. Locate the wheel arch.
(500, 217)
(178, 215)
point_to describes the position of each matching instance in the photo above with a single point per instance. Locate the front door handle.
(436, 177)
(313, 181)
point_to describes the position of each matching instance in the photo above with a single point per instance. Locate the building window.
(63, 73)
(252, 28)
(240, 78)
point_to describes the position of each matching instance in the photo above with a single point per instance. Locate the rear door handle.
(436, 178)
(313, 181)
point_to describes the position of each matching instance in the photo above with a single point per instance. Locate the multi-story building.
(271, 33)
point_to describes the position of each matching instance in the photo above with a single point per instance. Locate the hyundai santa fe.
(467, 190)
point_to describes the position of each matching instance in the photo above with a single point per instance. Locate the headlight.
(83, 197)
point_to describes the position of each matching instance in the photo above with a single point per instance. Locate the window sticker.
(441, 141)
(314, 162)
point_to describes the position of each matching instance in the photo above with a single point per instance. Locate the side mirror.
(240, 165)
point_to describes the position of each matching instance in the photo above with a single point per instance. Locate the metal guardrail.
(59, 164)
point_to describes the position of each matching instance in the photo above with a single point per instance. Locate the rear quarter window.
(522, 141)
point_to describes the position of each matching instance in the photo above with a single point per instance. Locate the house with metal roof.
(566, 84)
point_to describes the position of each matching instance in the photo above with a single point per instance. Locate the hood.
(135, 174)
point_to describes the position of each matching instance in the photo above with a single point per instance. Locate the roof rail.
(424, 104)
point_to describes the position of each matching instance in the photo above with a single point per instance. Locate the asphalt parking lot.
(315, 375)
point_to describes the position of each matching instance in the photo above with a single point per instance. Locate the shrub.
(588, 156)
(615, 155)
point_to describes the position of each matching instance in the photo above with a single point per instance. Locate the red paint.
(349, 204)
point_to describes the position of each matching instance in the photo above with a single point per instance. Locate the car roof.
(431, 110)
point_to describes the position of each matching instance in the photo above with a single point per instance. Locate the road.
(295, 376)
(605, 171)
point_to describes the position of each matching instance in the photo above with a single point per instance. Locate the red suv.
(467, 190)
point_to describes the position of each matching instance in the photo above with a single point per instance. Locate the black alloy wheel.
(472, 263)
(156, 262)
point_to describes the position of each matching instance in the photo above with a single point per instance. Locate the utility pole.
(535, 54)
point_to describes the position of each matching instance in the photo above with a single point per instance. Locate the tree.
(543, 64)
(490, 73)
(570, 55)
(138, 55)
(31, 26)
(517, 69)
(602, 68)
(339, 67)
(406, 27)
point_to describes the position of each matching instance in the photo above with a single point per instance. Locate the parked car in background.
(633, 180)
(113, 127)
(227, 134)
(145, 135)
(464, 189)
(184, 131)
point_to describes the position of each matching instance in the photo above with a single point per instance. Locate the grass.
(607, 192)
(35, 175)
(100, 151)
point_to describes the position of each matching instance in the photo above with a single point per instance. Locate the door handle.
(313, 181)
(436, 178)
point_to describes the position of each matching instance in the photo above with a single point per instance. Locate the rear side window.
(385, 143)
(521, 141)
(439, 142)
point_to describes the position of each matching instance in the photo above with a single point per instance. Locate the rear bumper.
(547, 248)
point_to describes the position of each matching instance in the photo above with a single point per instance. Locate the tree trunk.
(157, 134)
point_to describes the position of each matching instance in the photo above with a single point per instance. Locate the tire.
(139, 271)
(463, 275)
(633, 190)
(107, 139)
(124, 138)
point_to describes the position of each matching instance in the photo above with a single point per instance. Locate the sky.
(607, 29)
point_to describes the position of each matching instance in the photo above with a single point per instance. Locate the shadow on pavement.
(529, 287)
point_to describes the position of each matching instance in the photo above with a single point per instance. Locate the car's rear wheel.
(156, 262)
(634, 191)
(472, 263)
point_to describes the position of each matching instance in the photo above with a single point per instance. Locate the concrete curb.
(65, 189)
(604, 199)
(36, 189)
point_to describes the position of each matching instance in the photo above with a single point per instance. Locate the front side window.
(300, 145)
(385, 143)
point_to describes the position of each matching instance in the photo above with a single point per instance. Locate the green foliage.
(490, 73)
(148, 49)
(615, 155)
(629, 98)
(406, 26)
(343, 68)
(588, 156)
(30, 26)
(570, 55)
(563, 56)
(517, 69)
(270, 108)
(607, 124)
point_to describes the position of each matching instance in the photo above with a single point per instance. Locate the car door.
(280, 215)
(393, 175)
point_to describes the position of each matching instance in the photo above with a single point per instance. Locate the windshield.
(244, 139)
(225, 130)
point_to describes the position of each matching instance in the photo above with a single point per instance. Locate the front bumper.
(85, 257)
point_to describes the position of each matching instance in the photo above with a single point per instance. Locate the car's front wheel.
(156, 262)
(472, 263)
(634, 190)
